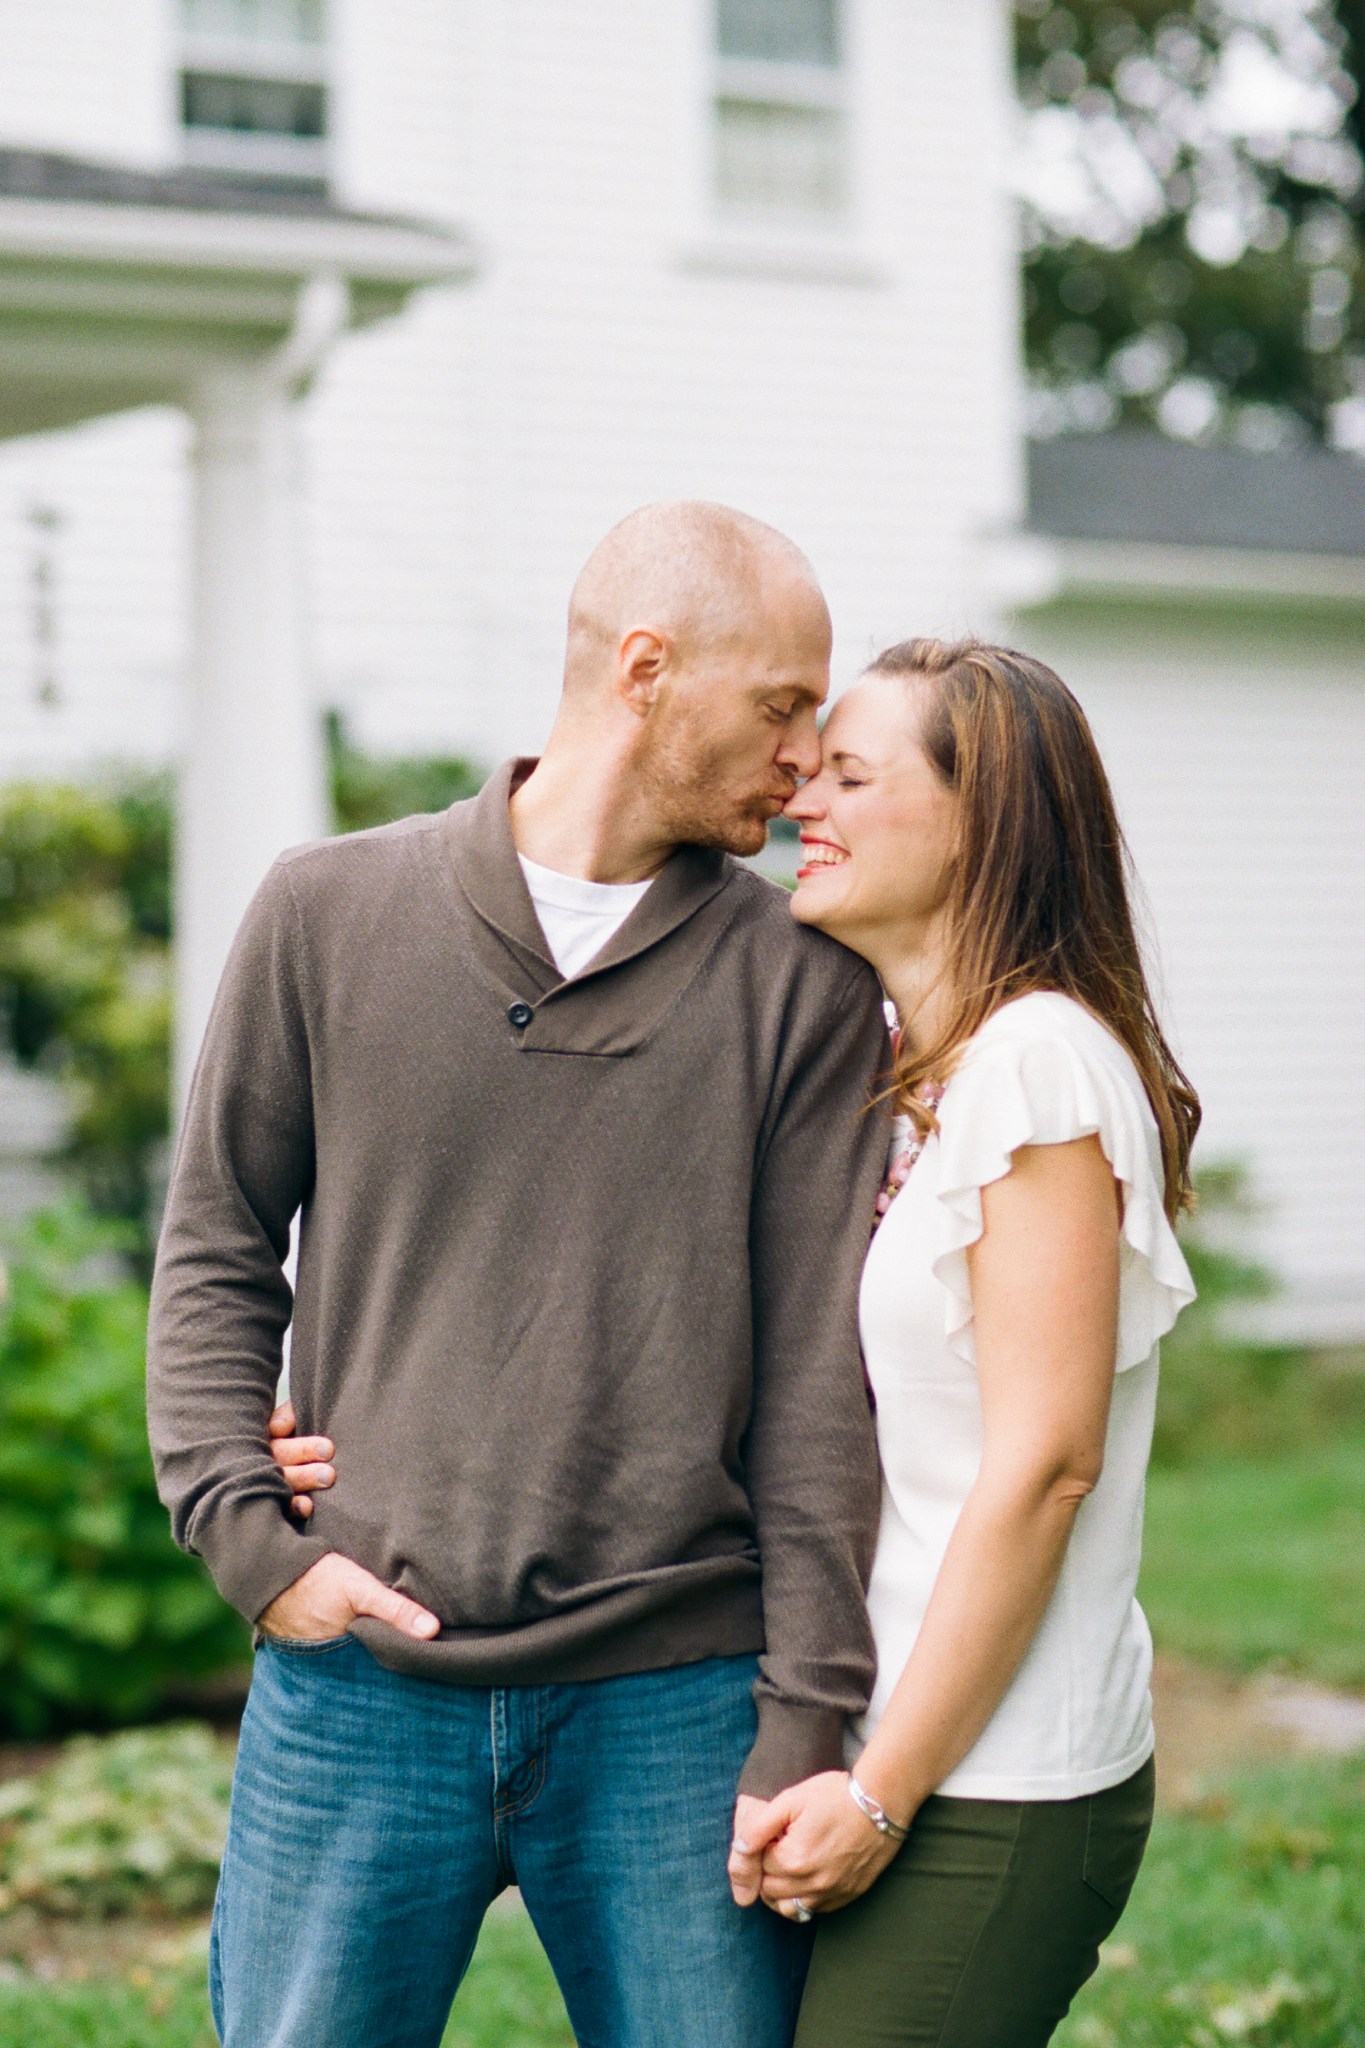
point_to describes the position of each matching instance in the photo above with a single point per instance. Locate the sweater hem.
(729, 1623)
(254, 1552)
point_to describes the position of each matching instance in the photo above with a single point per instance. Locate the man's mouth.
(820, 853)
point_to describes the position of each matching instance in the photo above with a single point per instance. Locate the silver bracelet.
(872, 1810)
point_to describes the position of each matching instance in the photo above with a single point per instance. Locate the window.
(781, 126)
(253, 86)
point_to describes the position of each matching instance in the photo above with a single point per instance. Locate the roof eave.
(218, 246)
(107, 306)
(1035, 571)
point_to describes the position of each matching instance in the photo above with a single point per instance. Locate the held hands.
(330, 1594)
(810, 1844)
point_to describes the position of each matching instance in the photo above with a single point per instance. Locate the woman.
(961, 837)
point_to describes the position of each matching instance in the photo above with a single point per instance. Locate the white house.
(1209, 608)
(756, 250)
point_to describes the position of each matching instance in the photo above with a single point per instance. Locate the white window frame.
(712, 238)
(264, 155)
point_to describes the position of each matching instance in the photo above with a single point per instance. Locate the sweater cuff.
(254, 1551)
(793, 1743)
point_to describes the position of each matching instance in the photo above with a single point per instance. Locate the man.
(575, 1120)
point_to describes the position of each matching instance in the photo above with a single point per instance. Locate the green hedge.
(119, 1824)
(100, 1614)
(85, 934)
(85, 975)
(1222, 1396)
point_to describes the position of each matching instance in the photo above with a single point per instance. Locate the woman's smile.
(819, 853)
(878, 815)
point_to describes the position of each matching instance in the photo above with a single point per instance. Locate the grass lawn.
(1247, 1925)
(162, 2009)
(1248, 1922)
(1258, 1561)
(508, 2000)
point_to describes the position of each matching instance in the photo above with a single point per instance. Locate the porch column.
(252, 771)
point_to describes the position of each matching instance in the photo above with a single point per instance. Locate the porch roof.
(119, 286)
(1148, 489)
(1135, 518)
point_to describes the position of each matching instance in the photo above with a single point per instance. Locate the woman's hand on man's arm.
(326, 1599)
(304, 1460)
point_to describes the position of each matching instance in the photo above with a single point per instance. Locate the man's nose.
(804, 803)
(800, 749)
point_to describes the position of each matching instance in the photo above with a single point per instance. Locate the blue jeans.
(375, 1817)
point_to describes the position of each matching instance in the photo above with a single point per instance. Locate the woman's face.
(878, 826)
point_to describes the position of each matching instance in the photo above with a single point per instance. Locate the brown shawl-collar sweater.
(577, 1278)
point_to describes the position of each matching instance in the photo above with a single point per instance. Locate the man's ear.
(644, 655)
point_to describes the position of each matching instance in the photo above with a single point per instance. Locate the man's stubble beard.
(694, 808)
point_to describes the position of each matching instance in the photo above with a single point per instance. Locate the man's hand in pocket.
(329, 1596)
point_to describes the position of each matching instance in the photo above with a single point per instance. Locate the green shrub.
(373, 789)
(85, 974)
(85, 968)
(1245, 1922)
(1222, 1394)
(99, 1612)
(120, 1823)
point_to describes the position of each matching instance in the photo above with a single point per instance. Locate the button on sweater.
(577, 1276)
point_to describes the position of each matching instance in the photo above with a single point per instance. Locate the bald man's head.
(698, 656)
(700, 575)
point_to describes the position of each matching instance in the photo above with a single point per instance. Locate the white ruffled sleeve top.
(1077, 1717)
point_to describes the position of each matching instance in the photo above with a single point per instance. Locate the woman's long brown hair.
(1039, 890)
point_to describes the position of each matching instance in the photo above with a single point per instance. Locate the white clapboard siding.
(459, 463)
(88, 79)
(467, 460)
(117, 563)
(1237, 746)
(92, 78)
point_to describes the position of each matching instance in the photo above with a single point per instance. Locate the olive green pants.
(984, 1928)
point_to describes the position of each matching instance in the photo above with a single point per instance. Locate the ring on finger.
(801, 1912)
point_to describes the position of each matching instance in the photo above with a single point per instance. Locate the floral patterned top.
(906, 1145)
